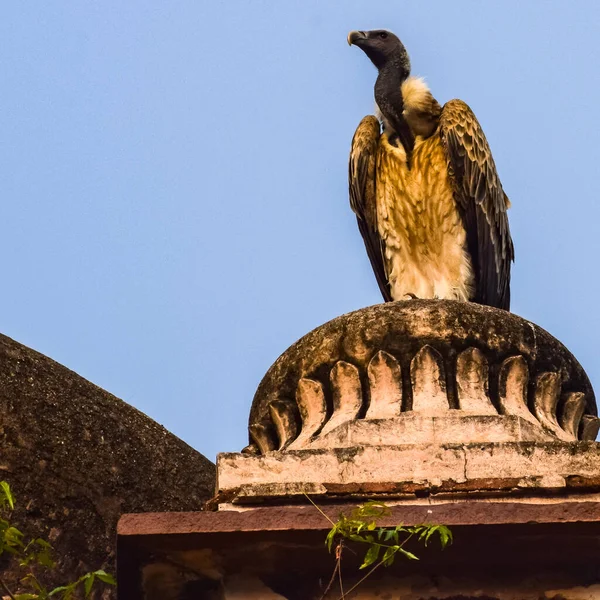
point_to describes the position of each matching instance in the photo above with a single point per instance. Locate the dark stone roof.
(77, 458)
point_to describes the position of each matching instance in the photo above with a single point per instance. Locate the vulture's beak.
(354, 37)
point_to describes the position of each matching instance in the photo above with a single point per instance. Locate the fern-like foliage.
(34, 556)
(383, 544)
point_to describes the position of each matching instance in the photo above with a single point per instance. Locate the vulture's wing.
(361, 181)
(482, 203)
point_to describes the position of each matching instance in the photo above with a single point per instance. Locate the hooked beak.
(354, 37)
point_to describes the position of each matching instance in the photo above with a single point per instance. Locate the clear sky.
(173, 180)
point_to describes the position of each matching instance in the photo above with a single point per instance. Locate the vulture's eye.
(383, 35)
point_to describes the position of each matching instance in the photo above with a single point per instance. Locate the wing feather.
(482, 202)
(361, 182)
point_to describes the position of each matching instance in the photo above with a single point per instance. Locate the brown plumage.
(427, 197)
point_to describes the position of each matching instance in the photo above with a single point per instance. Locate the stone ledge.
(506, 550)
(492, 468)
(292, 518)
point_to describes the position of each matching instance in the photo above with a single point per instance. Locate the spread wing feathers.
(361, 181)
(482, 203)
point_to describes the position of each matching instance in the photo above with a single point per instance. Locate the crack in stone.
(535, 348)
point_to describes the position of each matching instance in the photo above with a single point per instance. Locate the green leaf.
(389, 534)
(45, 559)
(67, 590)
(88, 582)
(329, 539)
(428, 533)
(13, 538)
(371, 526)
(389, 555)
(418, 530)
(445, 536)
(26, 596)
(31, 579)
(408, 554)
(105, 577)
(371, 556)
(7, 494)
(57, 590)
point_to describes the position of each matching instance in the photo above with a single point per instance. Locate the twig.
(373, 569)
(310, 500)
(10, 594)
(361, 580)
(330, 582)
(339, 569)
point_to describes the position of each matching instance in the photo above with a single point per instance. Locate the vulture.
(425, 190)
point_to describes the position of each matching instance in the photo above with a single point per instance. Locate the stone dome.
(77, 458)
(431, 370)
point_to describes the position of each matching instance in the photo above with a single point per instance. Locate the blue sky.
(173, 179)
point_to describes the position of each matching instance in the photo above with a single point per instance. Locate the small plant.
(361, 526)
(382, 544)
(33, 556)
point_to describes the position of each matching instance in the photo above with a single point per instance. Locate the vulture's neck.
(388, 95)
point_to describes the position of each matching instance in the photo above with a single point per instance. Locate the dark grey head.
(382, 47)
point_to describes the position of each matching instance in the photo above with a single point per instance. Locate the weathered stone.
(428, 381)
(472, 382)
(545, 401)
(415, 428)
(406, 469)
(512, 388)
(589, 427)
(313, 410)
(77, 458)
(385, 385)
(285, 423)
(426, 356)
(528, 550)
(347, 395)
(573, 407)
(450, 413)
(262, 437)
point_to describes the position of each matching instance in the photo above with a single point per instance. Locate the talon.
(411, 296)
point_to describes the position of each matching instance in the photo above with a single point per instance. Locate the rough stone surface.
(425, 356)
(306, 517)
(77, 458)
(512, 468)
(416, 428)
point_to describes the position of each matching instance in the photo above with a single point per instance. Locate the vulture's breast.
(418, 220)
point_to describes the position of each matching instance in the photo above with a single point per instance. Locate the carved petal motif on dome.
(559, 416)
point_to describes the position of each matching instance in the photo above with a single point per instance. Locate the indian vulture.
(424, 187)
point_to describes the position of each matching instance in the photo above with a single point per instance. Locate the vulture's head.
(382, 47)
